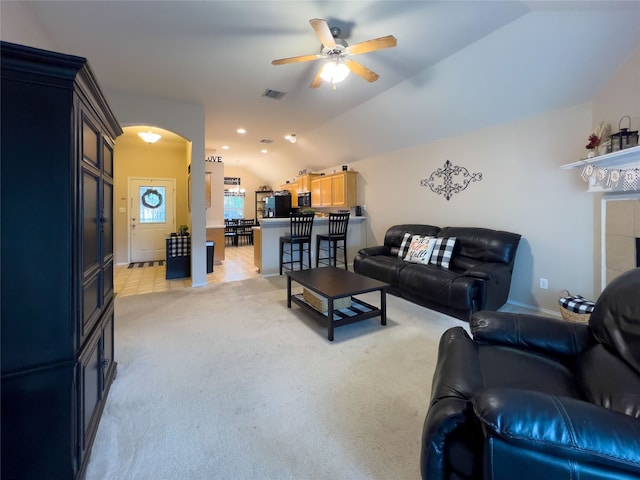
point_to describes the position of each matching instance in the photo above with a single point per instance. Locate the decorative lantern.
(624, 138)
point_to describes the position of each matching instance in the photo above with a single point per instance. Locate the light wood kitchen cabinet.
(344, 189)
(325, 191)
(315, 192)
(292, 188)
(335, 190)
(304, 181)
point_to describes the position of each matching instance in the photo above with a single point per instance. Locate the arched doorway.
(160, 168)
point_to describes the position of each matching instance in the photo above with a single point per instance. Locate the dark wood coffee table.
(334, 283)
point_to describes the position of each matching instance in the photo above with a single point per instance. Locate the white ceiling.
(459, 65)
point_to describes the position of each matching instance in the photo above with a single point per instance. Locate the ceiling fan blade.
(372, 45)
(361, 70)
(317, 80)
(301, 58)
(323, 32)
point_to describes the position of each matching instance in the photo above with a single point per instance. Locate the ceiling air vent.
(273, 94)
(266, 140)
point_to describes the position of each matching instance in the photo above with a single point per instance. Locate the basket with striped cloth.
(576, 308)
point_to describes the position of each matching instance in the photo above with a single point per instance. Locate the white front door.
(151, 217)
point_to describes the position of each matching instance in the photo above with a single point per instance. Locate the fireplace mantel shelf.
(626, 159)
(629, 158)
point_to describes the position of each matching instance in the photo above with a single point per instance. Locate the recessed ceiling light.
(241, 131)
(264, 150)
(225, 147)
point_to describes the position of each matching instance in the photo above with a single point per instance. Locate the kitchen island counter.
(271, 229)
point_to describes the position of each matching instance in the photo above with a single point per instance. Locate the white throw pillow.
(420, 249)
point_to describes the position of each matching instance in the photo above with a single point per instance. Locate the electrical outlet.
(544, 283)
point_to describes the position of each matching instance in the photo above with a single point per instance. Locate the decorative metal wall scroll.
(450, 179)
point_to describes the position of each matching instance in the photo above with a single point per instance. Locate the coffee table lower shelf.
(358, 311)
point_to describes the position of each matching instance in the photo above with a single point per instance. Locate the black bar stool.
(338, 223)
(299, 234)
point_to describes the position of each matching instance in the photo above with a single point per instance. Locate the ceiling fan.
(338, 51)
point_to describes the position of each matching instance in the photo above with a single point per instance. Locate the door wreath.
(151, 198)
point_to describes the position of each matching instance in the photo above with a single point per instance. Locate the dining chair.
(230, 231)
(244, 233)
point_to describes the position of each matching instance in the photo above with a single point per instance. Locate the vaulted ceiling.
(458, 66)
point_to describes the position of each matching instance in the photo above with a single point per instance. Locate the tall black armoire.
(56, 211)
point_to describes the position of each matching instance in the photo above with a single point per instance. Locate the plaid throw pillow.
(442, 251)
(404, 246)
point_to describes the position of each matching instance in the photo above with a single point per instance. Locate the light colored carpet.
(226, 382)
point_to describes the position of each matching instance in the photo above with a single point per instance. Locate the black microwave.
(304, 200)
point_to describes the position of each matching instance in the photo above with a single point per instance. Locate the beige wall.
(620, 96)
(250, 182)
(215, 213)
(142, 160)
(523, 190)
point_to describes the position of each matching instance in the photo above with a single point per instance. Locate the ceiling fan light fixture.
(334, 71)
(149, 136)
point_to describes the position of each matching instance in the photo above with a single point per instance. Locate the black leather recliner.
(532, 397)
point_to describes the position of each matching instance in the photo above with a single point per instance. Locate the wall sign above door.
(450, 179)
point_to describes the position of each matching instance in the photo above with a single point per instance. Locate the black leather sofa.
(478, 277)
(532, 397)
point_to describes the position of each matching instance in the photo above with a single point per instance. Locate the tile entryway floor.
(238, 265)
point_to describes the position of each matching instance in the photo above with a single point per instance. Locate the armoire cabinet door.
(90, 391)
(97, 224)
(106, 225)
(91, 261)
(108, 351)
(97, 370)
